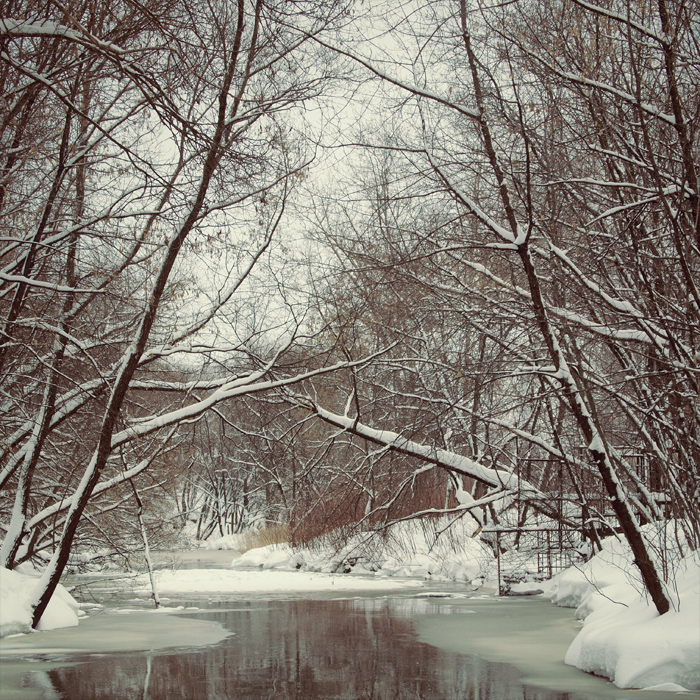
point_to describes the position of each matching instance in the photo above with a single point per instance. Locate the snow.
(623, 637)
(223, 542)
(16, 596)
(282, 557)
(408, 550)
(233, 582)
(526, 588)
(402, 559)
(609, 568)
(272, 556)
(634, 646)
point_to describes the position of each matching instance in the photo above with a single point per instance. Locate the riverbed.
(436, 642)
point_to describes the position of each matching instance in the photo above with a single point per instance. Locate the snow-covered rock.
(16, 596)
(526, 588)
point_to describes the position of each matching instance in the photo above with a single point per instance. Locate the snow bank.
(634, 646)
(623, 637)
(273, 556)
(16, 596)
(367, 562)
(611, 569)
(410, 550)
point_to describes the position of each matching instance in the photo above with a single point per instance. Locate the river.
(443, 643)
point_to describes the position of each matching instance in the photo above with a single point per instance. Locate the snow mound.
(16, 596)
(272, 556)
(612, 567)
(623, 637)
(635, 647)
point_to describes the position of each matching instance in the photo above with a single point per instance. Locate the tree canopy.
(337, 265)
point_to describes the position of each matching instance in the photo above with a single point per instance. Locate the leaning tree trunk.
(54, 570)
(519, 239)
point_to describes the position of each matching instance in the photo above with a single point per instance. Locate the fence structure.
(540, 552)
(578, 517)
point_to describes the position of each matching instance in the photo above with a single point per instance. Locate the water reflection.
(301, 649)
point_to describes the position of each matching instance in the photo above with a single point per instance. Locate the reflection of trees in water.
(301, 650)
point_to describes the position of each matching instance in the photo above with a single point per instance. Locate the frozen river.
(393, 644)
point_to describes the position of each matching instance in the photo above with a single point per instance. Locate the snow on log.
(442, 458)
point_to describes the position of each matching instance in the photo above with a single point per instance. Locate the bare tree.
(552, 150)
(149, 162)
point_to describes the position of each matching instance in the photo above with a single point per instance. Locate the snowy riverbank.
(16, 595)
(622, 637)
(290, 581)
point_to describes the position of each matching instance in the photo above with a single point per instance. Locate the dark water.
(368, 648)
(350, 649)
